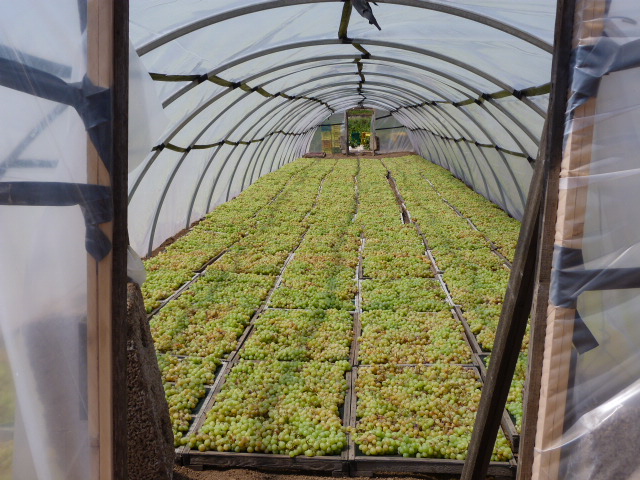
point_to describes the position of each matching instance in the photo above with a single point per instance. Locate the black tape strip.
(527, 92)
(536, 91)
(583, 339)
(92, 103)
(592, 62)
(476, 143)
(361, 49)
(95, 201)
(389, 128)
(162, 77)
(175, 148)
(54, 68)
(569, 279)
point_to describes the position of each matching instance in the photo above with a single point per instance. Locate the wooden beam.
(555, 375)
(102, 56)
(120, 239)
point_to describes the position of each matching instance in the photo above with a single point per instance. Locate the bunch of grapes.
(421, 411)
(290, 408)
(321, 335)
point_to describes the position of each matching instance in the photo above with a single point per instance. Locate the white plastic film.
(590, 397)
(147, 120)
(292, 50)
(44, 407)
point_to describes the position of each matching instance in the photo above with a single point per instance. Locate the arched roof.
(245, 84)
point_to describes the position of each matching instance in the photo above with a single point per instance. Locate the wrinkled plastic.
(135, 267)
(147, 119)
(44, 431)
(590, 397)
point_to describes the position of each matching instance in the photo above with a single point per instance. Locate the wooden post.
(569, 232)
(107, 57)
(120, 241)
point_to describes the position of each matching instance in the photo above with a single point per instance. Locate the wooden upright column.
(99, 282)
(572, 200)
(107, 69)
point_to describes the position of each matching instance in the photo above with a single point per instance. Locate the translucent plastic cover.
(49, 212)
(590, 400)
(289, 71)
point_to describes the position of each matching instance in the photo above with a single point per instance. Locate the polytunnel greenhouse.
(331, 237)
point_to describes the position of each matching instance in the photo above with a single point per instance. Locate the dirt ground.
(184, 473)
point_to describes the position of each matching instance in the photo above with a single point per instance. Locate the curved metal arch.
(447, 59)
(386, 106)
(382, 102)
(217, 97)
(473, 154)
(279, 125)
(522, 148)
(282, 105)
(504, 160)
(427, 5)
(492, 101)
(395, 77)
(425, 112)
(462, 158)
(279, 147)
(301, 96)
(499, 107)
(273, 112)
(183, 157)
(426, 138)
(305, 129)
(380, 43)
(195, 113)
(174, 173)
(413, 82)
(179, 163)
(502, 156)
(408, 95)
(461, 127)
(355, 57)
(259, 152)
(483, 130)
(339, 94)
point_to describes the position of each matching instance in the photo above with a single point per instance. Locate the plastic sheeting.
(235, 91)
(392, 135)
(591, 389)
(475, 72)
(44, 408)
